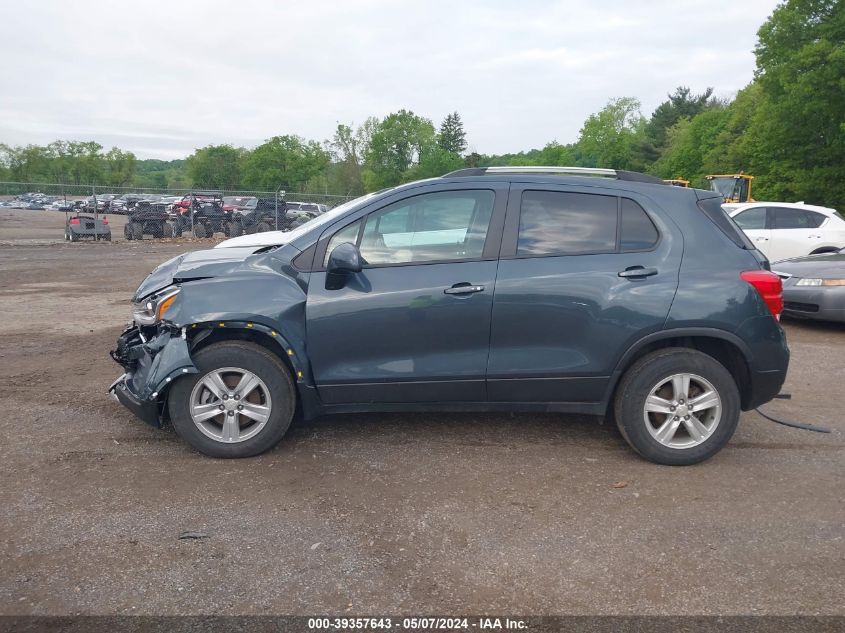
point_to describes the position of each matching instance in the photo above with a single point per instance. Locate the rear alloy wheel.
(240, 403)
(677, 406)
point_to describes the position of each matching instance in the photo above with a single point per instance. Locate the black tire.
(235, 229)
(166, 230)
(176, 230)
(137, 231)
(263, 227)
(254, 358)
(127, 231)
(74, 237)
(199, 230)
(107, 237)
(649, 371)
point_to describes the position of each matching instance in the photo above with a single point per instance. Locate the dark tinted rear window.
(712, 208)
(556, 223)
(638, 231)
(788, 218)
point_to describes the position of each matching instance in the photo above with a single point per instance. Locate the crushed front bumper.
(151, 364)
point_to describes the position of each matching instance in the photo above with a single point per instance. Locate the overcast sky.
(163, 78)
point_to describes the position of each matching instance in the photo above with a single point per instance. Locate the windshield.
(724, 186)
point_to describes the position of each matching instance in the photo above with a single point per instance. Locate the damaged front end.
(152, 358)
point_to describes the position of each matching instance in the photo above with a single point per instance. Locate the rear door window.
(561, 223)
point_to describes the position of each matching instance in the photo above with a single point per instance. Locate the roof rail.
(618, 174)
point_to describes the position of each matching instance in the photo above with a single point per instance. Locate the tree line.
(786, 128)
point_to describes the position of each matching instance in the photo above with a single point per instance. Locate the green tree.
(215, 167)
(681, 104)
(799, 127)
(395, 147)
(689, 142)
(608, 137)
(348, 147)
(434, 161)
(119, 167)
(452, 137)
(286, 161)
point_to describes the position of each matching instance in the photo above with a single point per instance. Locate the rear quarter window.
(712, 208)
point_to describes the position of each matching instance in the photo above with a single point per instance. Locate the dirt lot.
(530, 514)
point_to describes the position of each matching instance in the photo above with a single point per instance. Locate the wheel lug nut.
(675, 418)
(225, 397)
(220, 407)
(672, 408)
(240, 407)
(681, 401)
(237, 397)
(231, 413)
(686, 417)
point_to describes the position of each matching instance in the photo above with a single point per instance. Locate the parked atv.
(147, 218)
(209, 217)
(261, 219)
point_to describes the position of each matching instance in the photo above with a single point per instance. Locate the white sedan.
(782, 230)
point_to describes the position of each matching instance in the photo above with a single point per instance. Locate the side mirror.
(344, 261)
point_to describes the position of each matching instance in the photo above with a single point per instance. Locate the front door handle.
(464, 288)
(637, 272)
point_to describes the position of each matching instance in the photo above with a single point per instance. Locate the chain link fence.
(167, 213)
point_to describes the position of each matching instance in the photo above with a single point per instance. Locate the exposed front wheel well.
(825, 249)
(725, 352)
(205, 337)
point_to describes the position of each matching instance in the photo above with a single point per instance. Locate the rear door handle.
(637, 272)
(463, 289)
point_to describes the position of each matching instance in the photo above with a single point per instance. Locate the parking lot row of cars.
(201, 213)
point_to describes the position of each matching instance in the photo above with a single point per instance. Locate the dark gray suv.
(521, 289)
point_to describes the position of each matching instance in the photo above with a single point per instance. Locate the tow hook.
(794, 425)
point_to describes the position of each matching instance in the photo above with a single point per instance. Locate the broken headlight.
(151, 310)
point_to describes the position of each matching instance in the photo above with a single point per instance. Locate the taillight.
(770, 287)
(105, 220)
(73, 221)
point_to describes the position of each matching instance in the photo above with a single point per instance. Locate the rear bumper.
(767, 357)
(765, 385)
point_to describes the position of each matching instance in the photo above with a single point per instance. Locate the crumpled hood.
(829, 266)
(193, 265)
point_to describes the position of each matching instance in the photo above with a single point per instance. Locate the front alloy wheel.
(230, 404)
(239, 404)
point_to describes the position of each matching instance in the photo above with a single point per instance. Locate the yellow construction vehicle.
(733, 187)
(677, 182)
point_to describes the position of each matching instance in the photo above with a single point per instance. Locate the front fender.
(261, 300)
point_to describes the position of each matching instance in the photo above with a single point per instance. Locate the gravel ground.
(388, 513)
